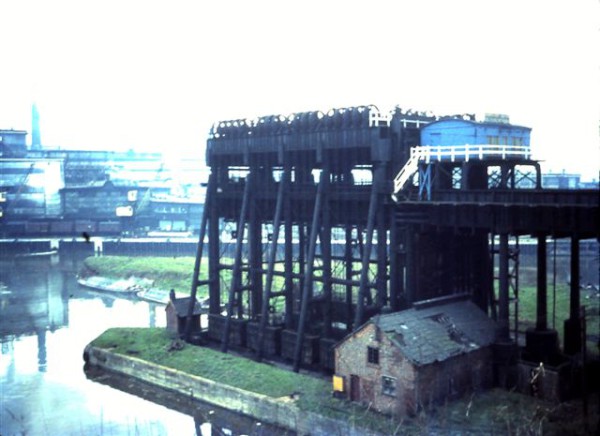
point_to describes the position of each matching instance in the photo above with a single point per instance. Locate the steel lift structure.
(317, 221)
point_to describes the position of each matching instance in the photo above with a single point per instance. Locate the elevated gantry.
(296, 206)
(306, 242)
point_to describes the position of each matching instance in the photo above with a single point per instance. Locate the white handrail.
(456, 153)
(470, 151)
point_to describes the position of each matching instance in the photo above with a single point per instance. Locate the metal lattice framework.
(305, 243)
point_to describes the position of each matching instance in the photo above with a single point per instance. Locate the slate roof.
(436, 333)
(181, 306)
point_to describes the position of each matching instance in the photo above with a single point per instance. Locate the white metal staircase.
(407, 171)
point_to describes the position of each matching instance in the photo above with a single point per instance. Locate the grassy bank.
(493, 412)
(313, 394)
(176, 273)
(166, 272)
(557, 312)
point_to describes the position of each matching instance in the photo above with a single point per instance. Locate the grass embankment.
(557, 307)
(314, 394)
(492, 412)
(176, 273)
(558, 310)
(167, 273)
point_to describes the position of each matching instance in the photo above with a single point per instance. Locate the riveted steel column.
(366, 258)
(325, 243)
(198, 261)
(382, 249)
(395, 273)
(348, 262)
(542, 310)
(503, 325)
(255, 254)
(573, 342)
(214, 240)
(308, 270)
(264, 314)
(289, 261)
(237, 263)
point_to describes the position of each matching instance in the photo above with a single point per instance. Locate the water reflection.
(209, 420)
(46, 320)
(41, 337)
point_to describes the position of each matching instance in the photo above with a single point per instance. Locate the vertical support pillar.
(348, 261)
(255, 258)
(541, 343)
(382, 257)
(538, 176)
(325, 243)
(301, 258)
(483, 278)
(542, 309)
(366, 258)
(308, 271)
(503, 325)
(198, 262)
(573, 341)
(214, 240)
(506, 351)
(236, 274)
(411, 264)
(264, 314)
(289, 263)
(395, 273)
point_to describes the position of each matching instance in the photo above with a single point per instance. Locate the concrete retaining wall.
(260, 407)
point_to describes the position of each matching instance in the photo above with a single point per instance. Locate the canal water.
(46, 320)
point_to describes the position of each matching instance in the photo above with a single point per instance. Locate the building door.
(354, 388)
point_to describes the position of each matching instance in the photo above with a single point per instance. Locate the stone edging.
(257, 406)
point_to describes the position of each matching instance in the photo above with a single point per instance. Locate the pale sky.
(154, 75)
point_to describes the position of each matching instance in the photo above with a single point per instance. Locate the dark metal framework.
(309, 196)
(316, 245)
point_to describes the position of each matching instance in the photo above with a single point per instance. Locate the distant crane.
(145, 200)
(20, 186)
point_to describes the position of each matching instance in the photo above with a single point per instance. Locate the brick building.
(407, 360)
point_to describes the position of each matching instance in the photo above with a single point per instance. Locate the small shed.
(177, 311)
(412, 359)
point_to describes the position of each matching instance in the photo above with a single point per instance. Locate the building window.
(388, 386)
(492, 140)
(373, 355)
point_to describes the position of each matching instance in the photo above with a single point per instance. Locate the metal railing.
(466, 152)
(456, 153)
